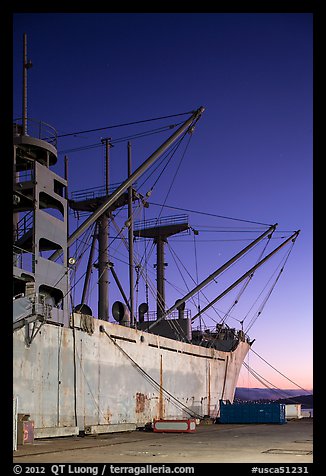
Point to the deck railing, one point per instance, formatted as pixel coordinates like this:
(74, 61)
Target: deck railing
(38, 129)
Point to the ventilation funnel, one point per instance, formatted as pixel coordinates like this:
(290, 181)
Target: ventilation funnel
(83, 309)
(142, 309)
(121, 313)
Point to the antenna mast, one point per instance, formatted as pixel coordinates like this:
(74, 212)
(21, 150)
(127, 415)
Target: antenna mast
(26, 65)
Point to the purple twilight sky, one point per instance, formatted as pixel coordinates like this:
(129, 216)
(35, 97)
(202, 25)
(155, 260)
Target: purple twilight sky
(251, 154)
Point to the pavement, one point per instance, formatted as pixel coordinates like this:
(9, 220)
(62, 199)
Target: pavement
(291, 442)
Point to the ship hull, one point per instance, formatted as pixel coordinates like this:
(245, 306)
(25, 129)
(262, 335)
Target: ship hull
(97, 374)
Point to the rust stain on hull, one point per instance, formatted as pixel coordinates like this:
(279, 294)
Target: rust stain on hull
(140, 402)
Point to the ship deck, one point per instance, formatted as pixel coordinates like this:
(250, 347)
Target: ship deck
(291, 442)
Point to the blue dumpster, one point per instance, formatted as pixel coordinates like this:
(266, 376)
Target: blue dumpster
(251, 412)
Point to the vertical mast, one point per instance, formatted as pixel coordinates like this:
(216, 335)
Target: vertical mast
(131, 242)
(103, 241)
(160, 267)
(26, 65)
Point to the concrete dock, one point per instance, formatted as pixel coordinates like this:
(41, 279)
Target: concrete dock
(291, 442)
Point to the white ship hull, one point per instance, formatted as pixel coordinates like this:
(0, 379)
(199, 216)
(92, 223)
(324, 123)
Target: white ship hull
(120, 377)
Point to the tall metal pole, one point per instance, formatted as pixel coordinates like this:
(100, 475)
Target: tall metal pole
(67, 217)
(160, 301)
(103, 268)
(131, 243)
(124, 186)
(107, 164)
(24, 112)
(26, 65)
(103, 254)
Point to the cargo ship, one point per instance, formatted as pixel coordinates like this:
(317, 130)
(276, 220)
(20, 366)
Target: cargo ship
(75, 372)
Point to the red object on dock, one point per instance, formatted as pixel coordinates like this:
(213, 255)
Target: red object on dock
(175, 426)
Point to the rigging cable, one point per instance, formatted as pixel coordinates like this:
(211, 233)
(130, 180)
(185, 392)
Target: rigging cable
(124, 124)
(120, 139)
(260, 378)
(271, 386)
(178, 167)
(278, 371)
(175, 258)
(210, 214)
(167, 156)
(245, 285)
(253, 320)
(227, 290)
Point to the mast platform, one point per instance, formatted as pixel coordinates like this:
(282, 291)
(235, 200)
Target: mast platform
(89, 199)
(162, 227)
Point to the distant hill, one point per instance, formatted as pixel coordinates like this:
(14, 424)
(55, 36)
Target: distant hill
(305, 400)
(282, 396)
